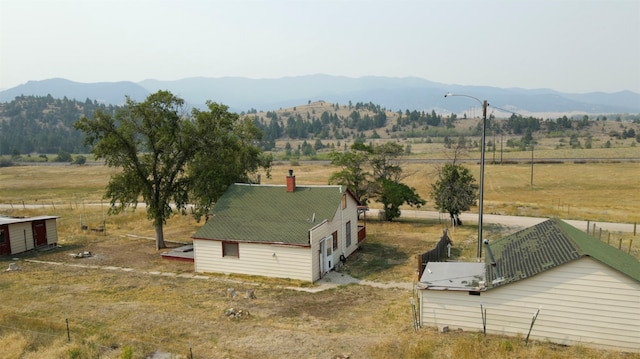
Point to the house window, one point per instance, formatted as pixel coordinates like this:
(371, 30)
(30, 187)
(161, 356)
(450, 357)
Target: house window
(344, 201)
(348, 233)
(474, 292)
(335, 240)
(230, 249)
(2, 236)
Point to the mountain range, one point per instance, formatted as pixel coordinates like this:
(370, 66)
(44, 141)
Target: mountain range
(407, 93)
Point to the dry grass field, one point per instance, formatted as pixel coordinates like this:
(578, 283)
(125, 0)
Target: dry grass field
(157, 304)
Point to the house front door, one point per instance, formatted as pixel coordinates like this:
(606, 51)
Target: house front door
(326, 255)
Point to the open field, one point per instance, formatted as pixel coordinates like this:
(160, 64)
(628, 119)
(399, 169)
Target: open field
(115, 313)
(589, 191)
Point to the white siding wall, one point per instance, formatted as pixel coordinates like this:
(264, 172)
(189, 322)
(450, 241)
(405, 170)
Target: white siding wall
(254, 259)
(317, 234)
(350, 214)
(581, 302)
(21, 237)
(52, 231)
(336, 224)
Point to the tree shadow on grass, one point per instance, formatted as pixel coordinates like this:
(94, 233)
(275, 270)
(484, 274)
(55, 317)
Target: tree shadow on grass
(374, 258)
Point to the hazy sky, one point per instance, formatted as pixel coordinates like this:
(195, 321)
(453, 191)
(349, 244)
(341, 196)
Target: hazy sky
(570, 46)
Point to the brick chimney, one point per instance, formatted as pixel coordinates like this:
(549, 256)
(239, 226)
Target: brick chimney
(291, 182)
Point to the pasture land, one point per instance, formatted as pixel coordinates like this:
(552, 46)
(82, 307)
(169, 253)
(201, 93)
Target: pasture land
(158, 305)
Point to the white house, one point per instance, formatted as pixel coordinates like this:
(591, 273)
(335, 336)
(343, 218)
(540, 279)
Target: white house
(580, 290)
(20, 234)
(297, 232)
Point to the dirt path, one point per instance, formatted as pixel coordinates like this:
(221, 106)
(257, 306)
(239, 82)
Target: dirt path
(332, 279)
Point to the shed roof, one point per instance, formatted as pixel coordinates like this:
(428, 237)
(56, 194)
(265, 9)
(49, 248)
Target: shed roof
(11, 220)
(270, 214)
(453, 276)
(547, 245)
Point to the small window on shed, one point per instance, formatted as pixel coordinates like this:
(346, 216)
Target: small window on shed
(474, 292)
(230, 249)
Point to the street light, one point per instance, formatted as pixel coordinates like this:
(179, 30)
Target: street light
(480, 204)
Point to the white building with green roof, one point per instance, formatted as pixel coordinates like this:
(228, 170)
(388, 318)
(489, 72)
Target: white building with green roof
(583, 290)
(282, 231)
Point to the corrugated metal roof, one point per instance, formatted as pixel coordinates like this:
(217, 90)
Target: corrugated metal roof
(270, 214)
(11, 220)
(548, 245)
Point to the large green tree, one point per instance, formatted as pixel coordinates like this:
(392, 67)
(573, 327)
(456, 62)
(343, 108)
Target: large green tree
(159, 148)
(387, 186)
(227, 152)
(393, 194)
(374, 172)
(353, 172)
(455, 190)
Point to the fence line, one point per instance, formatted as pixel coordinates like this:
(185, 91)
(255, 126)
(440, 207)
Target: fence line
(613, 238)
(68, 334)
(440, 253)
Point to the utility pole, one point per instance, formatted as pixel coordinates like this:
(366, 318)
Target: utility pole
(531, 165)
(484, 104)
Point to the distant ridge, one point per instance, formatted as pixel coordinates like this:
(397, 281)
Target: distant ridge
(407, 93)
(104, 92)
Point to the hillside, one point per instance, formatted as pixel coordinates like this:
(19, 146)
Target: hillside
(31, 124)
(315, 125)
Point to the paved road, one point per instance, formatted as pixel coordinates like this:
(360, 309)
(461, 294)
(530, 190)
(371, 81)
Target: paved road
(512, 221)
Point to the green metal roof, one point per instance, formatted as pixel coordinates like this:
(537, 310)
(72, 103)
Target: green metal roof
(548, 245)
(270, 214)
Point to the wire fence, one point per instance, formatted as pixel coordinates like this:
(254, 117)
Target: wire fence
(70, 330)
(621, 240)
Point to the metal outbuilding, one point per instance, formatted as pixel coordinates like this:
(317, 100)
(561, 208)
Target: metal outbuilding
(551, 282)
(21, 234)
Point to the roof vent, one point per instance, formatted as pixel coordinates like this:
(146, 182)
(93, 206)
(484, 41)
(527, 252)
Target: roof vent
(494, 264)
